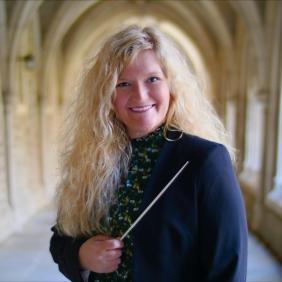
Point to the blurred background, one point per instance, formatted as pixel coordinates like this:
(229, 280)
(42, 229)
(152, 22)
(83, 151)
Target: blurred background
(234, 46)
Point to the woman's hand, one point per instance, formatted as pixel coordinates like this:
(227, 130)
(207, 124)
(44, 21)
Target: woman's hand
(100, 254)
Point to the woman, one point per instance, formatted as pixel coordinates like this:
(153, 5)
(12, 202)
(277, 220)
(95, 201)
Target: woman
(138, 118)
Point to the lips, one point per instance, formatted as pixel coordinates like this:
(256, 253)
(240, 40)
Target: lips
(141, 109)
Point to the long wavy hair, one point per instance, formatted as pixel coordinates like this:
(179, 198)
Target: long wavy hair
(97, 148)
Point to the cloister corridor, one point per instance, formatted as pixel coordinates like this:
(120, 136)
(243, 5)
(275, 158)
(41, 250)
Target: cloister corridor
(233, 46)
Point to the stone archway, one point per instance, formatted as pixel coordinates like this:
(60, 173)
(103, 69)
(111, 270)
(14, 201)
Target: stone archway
(49, 34)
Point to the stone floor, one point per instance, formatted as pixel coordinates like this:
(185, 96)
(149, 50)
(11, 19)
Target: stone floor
(25, 257)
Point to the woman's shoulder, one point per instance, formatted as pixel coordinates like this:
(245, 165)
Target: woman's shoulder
(196, 150)
(199, 147)
(209, 158)
(199, 141)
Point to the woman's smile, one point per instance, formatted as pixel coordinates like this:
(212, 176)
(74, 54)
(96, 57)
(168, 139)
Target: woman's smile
(141, 109)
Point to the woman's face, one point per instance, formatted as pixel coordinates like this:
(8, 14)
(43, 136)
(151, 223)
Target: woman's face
(141, 98)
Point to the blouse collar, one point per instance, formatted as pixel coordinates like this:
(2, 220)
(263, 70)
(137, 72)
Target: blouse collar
(153, 137)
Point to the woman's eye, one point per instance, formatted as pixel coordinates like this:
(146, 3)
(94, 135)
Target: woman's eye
(153, 79)
(122, 84)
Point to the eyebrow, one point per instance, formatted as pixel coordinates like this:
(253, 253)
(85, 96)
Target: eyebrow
(147, 74)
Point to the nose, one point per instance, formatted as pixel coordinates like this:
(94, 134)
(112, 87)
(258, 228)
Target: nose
(140, 91)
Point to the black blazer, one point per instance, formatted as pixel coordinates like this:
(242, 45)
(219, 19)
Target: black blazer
(197, 230)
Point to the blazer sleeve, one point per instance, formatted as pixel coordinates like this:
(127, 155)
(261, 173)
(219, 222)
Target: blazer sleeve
(64, 250)
(222, 221)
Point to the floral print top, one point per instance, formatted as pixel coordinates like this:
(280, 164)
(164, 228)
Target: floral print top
(145, 151)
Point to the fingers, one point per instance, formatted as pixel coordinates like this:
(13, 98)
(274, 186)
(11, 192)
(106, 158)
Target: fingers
(110, 244)
(110, 267)
(101, 254)
(109, 261)
(110, 249)
(113, 254)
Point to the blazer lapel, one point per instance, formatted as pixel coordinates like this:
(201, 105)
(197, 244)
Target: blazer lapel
(167, 165)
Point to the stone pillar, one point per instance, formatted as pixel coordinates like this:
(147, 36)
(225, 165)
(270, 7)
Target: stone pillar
(272, 177)
(254, 135)
(278, 175)
(231, 119)
(5, 207)
(23, 126)
(51, 121)
(275, 196)
(6, 215)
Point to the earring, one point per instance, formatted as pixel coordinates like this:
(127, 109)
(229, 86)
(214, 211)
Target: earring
(172, 130)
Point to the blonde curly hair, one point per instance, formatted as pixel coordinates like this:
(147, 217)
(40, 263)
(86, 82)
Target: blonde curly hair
(96, 147)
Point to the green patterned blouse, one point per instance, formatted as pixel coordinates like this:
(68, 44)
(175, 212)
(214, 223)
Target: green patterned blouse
(145, 151)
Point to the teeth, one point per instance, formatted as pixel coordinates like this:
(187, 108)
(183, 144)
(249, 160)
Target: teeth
(141, 108)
